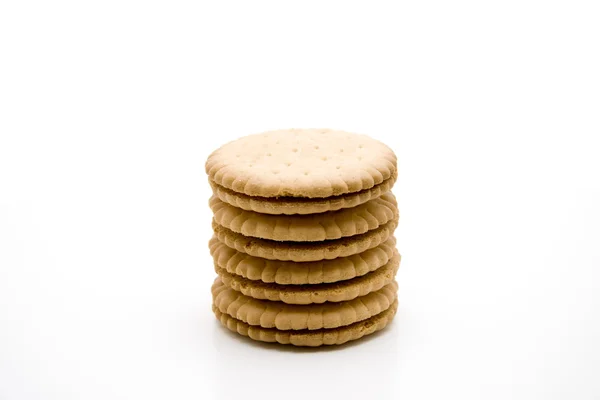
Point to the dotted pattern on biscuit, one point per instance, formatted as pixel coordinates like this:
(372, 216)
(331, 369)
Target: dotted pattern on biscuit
(313, 163)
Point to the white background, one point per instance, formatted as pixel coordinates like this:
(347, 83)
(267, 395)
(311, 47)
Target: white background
(109, 109)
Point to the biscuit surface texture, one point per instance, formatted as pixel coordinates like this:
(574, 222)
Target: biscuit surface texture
(312, 163)
(308, 251)
(306, 228)
(310, 294)
(300, 273)
(314, 338)
(274, 314)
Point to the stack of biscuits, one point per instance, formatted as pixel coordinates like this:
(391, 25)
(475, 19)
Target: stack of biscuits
(303, 241)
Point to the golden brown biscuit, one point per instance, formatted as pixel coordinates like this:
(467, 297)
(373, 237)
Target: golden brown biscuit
(309, 294)
(300, 273)
(301, 205)
(275, 314)
(301, 163)
(302, 252)
(319, 337)
(307, 228)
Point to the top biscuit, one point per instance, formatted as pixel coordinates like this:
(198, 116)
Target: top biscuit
(311, 163)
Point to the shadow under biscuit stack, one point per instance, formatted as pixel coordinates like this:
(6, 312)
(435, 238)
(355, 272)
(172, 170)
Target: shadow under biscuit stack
(303, 241)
